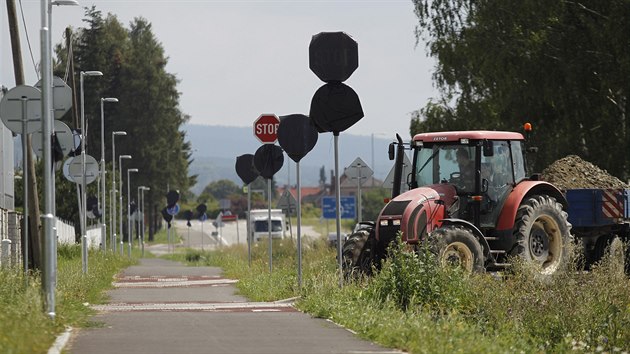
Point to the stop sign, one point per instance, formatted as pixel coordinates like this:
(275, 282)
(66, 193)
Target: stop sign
(333, 56)
(266, 128)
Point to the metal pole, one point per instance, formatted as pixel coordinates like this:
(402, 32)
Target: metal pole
(84, 253)
(48, 281)
(249, 232)
(269, 224)
(202, 236)
(128, 214)
(102, 181)
(138, 218)
(113, 218)
(120, 211)
(338, 207)
(299, 224)
(112, 213)
(237, 235)
(25, 182)
(359, 193)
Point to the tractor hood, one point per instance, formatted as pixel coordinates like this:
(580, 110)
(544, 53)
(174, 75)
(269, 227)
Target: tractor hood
(415, 212)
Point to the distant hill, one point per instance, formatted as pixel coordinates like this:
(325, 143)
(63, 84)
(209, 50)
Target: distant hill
(216, 148)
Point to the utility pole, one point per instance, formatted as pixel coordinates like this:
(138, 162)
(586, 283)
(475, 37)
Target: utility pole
(33, 201)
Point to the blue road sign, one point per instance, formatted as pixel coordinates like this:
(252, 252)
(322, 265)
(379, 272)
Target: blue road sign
(203, 217)
(174, 210)
(348, 208)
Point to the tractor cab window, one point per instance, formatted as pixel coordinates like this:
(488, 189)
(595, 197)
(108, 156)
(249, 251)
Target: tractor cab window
(518, 161)
(496, 173)
(446, 164)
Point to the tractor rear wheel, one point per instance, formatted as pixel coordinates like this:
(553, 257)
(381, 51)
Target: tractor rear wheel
(458, 247)
(357, 254)
(542, 233)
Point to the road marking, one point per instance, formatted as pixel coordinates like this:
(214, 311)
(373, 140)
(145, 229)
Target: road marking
(197, 306)
(173, 283)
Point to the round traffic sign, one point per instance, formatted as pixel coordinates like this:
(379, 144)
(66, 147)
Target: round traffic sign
(333, 56)
(266, 128)
(174, 210)
(64, 136)
(19, 103)
(62, 96)
(91, 169)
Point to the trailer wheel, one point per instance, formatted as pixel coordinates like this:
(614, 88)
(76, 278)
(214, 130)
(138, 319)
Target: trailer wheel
(542, 233)
(357, 254)
(457, 246)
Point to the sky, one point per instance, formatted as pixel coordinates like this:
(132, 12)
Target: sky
(238, 59)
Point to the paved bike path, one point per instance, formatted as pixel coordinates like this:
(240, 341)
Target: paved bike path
(162, 306)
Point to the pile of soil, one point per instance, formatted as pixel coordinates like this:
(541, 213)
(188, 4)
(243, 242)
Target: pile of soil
(572, 172)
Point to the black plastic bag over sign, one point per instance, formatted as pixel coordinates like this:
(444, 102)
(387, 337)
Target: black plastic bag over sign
(245, 168)
(335, 107)
(296, 135)
(268, 160)
(171, 198)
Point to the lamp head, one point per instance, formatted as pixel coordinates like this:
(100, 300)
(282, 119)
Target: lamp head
(65, 3)
(119, 133)
(124, 156)
(132, 170)
(109, 99)
(91, 73)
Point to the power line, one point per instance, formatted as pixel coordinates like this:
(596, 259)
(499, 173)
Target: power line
(28, 41)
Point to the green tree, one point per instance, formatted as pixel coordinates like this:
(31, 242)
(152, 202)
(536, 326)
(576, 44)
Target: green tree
(372, 202)
(560, 65)
(133, 65)
(220, 189)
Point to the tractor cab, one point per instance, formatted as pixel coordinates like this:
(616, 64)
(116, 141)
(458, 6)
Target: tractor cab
(481, 166)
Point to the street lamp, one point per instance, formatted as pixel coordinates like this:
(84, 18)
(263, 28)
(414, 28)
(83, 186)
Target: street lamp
(112, 219)
(120, 158)
(141, 220)
(102, 201)
(129, 170)
(84, 252)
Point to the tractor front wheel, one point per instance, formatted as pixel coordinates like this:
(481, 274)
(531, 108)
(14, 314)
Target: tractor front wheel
(357, 254)
(542, 233)
(458, 247)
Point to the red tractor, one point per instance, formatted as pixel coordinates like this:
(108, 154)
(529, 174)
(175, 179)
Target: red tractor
(471, 200)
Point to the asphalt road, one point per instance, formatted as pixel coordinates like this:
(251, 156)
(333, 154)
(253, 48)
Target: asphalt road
(162, 306)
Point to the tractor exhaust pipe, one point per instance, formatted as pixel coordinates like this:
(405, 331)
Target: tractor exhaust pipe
(398, 166)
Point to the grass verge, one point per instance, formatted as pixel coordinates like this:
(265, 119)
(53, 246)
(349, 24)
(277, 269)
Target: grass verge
(414, 305)
(24, 327)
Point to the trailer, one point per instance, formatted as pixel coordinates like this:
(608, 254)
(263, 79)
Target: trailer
(598, 216)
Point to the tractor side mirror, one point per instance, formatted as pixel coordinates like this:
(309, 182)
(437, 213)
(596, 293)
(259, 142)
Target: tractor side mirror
(488, 148)
(391, 152)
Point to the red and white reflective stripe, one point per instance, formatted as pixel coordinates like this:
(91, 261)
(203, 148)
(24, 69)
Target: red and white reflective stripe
(612, 205)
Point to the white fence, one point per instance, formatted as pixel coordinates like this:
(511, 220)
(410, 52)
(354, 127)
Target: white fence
(11, 235)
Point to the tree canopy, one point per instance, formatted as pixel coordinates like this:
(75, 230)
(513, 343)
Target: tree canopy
(561, 65)
(133, 64)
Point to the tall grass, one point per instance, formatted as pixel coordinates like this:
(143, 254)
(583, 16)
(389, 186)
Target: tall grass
(415, 305)
(24, 326)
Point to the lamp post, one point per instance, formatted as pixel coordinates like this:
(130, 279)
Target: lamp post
(141, 190)
(129, 170)
(84, 251)
(112, 219)
(120, 158)
(102, 201)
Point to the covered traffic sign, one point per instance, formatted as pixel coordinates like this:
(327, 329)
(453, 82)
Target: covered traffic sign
(268, 160)
(245, 168)
(335, 107)
(62, 133)
(266, 128)
(287, 201)
(333, 56)
(297, 135)
(76, 169)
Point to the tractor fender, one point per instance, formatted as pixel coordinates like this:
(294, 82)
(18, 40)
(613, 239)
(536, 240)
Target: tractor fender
(478, 234)
(519, 193)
